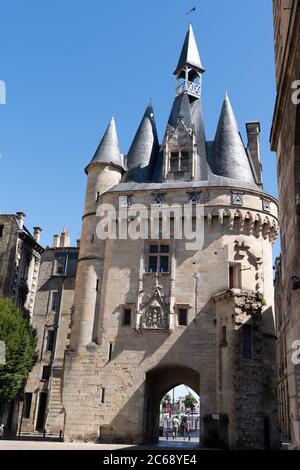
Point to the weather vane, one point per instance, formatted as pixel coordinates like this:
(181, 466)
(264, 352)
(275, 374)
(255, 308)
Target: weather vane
(191, 11)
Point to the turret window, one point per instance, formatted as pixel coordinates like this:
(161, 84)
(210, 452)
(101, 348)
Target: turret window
(180, 161)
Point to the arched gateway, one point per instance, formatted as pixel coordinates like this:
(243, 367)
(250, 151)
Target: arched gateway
(158, 382)
(154, 309)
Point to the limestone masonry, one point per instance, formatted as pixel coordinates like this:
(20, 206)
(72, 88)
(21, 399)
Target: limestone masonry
(143, 316)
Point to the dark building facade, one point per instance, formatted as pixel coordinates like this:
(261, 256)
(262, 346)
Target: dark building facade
(285, 141)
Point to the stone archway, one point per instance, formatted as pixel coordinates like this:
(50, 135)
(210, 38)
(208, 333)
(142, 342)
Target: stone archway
(158, 382)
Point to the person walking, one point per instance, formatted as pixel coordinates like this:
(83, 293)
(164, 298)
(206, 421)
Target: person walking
(175, 427)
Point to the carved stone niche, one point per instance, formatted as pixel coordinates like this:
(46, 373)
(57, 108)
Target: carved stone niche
(155, 315)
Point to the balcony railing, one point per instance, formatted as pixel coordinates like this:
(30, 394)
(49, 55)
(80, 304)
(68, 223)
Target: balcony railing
(190, 87)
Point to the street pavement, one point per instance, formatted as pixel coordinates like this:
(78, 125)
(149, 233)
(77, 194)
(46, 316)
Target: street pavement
(22, 444)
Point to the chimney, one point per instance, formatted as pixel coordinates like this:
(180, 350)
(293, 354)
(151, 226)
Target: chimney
(78, 242)
(37, 233)
(21, 216)
(64, 238)
(56, 241)
(253, 133)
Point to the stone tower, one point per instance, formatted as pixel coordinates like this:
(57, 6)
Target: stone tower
(151, 313)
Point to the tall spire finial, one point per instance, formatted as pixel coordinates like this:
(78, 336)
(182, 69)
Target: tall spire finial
(189, 56)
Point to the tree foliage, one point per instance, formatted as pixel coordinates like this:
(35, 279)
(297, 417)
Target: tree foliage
(20, 344)
(166, 400)
(190, 401)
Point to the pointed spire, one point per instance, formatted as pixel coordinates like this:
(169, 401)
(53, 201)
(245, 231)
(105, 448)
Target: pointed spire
(144, 149)
(189, 54)
(229, 156)
(108, 150)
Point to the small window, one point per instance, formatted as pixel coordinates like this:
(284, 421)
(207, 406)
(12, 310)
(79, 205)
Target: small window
(59, 265)
(174, 161)
(234, 276)
(110, 350)
(97, 196)
(247, 341)
(27, 405)
(25, 268)
(185, 161)
(55, 302)
(102, 395)
(182, 317)
(1, 230)
(97, 285)
(46, 373)
(127, 316)
(50, 340)
(224, 335)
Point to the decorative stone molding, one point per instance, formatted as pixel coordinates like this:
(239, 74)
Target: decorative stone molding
(154, 313)
(266, 205)
(194, 197)
(237, 198)
(158, 199)
(250, 222)
(125, 201)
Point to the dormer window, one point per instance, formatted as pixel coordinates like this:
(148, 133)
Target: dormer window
(174, 161)
(180, 161)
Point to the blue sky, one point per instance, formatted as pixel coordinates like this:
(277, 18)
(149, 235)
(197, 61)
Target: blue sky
(69, 65)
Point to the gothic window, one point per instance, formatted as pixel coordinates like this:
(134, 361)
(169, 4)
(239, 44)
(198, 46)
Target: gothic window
(1, 230)
(247, 341)
(180, 161)
(158, 259)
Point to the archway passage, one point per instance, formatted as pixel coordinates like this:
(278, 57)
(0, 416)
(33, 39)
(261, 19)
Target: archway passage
(159, 382)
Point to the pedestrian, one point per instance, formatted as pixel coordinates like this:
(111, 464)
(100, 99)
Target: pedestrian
(188, 429)
(175, 427)
(183, 426)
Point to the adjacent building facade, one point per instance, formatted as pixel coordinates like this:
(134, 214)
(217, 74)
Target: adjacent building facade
(20, 254)
(285, 141)
(149, 309)
(52, 320)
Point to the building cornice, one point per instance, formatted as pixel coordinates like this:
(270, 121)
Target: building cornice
(287, 67)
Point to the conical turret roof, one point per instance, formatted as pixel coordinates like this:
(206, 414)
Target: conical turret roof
(229, 158)
(144, 149)
(108, 150)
